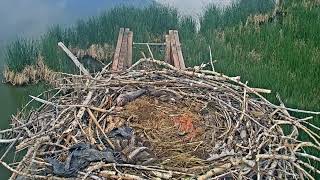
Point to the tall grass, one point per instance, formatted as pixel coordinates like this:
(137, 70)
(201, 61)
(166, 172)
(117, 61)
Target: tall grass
(21, 53)
(238, 12)
(148, 24)
(282, 56)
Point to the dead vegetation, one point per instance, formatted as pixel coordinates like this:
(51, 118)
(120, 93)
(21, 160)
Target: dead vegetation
(260, 19)
(95, 51)
(30, 74)
(160, 123)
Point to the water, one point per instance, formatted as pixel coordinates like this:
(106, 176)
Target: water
(9, 103)
(11, 99)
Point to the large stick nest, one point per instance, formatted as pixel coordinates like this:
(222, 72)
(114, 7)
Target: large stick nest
(160, 123)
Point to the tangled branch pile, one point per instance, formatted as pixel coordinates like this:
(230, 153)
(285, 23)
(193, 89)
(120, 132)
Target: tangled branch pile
(160, 123)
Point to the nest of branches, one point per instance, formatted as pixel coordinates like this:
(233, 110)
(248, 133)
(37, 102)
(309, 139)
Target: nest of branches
(160, 123)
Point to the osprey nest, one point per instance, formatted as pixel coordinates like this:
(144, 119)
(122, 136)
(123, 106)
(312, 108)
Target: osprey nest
(160, 123)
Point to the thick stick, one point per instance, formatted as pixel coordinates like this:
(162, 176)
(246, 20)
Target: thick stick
(7, 141)
(100, 128)
(74, 59)
(211, 61)
(151, 54)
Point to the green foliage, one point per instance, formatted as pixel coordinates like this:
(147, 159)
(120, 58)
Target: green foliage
(21, 53)
(281, 56)
(237, 13)
(54, 57)
(274, 55)
(148, 24)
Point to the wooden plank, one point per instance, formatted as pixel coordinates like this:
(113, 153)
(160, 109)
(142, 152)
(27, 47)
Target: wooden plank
(124, 51)
(130, 43)
(74, 59)
(174, 53)
(117, 52)
(179, 50)
(168, 50)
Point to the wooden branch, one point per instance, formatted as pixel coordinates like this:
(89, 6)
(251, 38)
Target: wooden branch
(215, 171)
(74, 59)
(43, 101)
(99, 127)
(151, 54)
(85, 103)
(7, 141)
(211, 61)
(260, 90)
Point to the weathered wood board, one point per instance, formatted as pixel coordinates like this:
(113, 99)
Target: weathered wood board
(174, 54)
(123, 53)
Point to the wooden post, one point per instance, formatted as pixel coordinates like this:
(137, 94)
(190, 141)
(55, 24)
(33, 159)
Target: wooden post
(124, 50)
(174, 53)
(179, 50)
(74, 59)
(168, 50)
(117, 51)
(130, 43)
